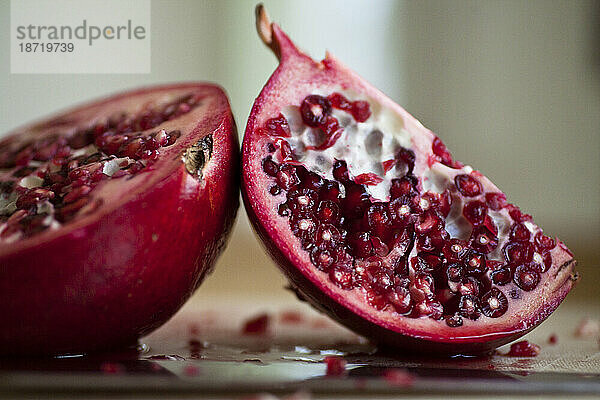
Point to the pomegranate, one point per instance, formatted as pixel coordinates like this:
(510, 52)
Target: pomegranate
(378, 226)
(111, 214)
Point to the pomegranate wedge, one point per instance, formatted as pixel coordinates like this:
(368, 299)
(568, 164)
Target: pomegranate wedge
(378, 226)
(111, 215)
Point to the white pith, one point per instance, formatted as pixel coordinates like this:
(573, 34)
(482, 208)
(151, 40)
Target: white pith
(355, 146)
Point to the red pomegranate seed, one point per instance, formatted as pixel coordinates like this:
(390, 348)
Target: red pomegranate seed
(406, 185)
(407, 157)
(278, 126)
(342, 276)
(427, 222)
(454, 321)
(314, 110)
(475, 212)
(368, 179)
(399, 377)
(361, 111)
(553, 338)
(440, 150)
(328, 212)
(494, 303)
(495, 201)
(77, 193)
(388, 165)
(468, 185)
(400, 299)
(287, 177)
(340, 102)
(519, 233)
(469, 307)
(544, 243)
(455, 250)
(523, 349)
(257, 325)
(336, 366)
(518, 253)
(501, 276)
(526, 278)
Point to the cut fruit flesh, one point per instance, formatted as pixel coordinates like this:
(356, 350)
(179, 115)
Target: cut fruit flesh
(373, 221)
(103, 274)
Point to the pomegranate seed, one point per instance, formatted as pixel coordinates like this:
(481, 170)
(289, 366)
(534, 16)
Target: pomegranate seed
(322, 259)
(77, 193)
(475, 212)
(302, 201)
(469, 307)
(454, 321)
(428, 222)
(544, 243)
(376, 300)
(427, 262)
(523, 349)
(468, 185)
(302, 227)
(274, 190)
(440, 150)
(520, 233)
(494, 303)
(340, 102)
(314, 110)
(475, 262)
(526, 278)
(368, 179)
(361, 111)
(541, 262)
(455, 250)
(400, 299)
(360, 243)
(553, 339)
(278, 126)
(399, 211)
(342, 276)
(406, 157)
(455, 272)
(501, 276)
(517, 253)
(483, 240)
(328, 212)
(257, 325)
(429, 308)
(270, 167)
(287, 177)
(495, 201)
(340, 171)
(356, 200)
(336, 366)
(406, 185)
(330, 191)
(517, 215)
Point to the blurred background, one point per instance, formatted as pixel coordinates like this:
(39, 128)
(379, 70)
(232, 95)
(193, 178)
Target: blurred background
(511, 87)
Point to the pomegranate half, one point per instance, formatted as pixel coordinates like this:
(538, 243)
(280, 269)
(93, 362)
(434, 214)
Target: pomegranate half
(375, 224)
(111, 214)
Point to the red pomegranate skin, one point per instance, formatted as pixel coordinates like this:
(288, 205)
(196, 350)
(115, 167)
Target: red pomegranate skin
(296, 77)
(107, 279)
